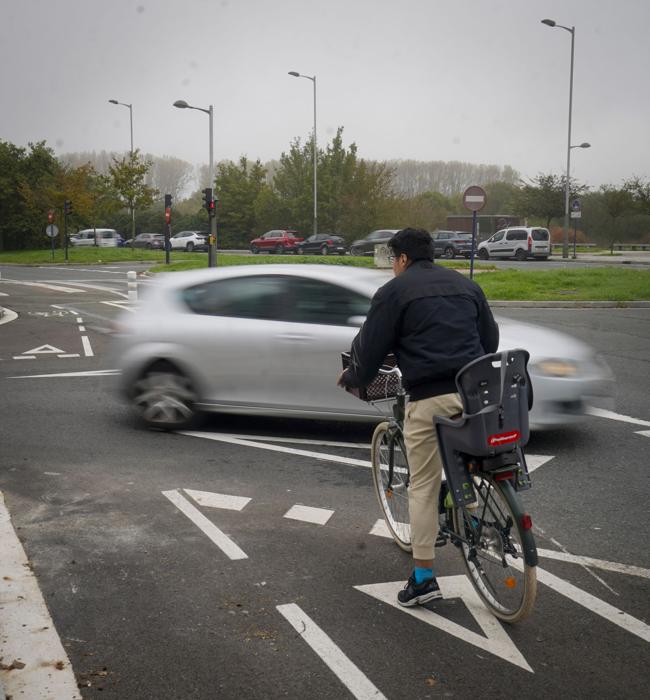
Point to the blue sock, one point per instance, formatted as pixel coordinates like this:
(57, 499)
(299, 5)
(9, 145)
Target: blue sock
(422, 575)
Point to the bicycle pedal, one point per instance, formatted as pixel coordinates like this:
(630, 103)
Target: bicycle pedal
(441, 541)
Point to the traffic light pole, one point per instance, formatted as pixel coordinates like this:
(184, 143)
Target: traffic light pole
(65, 234)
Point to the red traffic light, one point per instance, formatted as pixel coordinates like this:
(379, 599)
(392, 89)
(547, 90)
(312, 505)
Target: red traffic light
(168, 215)
(50, 216)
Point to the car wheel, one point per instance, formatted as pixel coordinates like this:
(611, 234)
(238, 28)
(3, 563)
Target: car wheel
(324, 250)
(520, 254)
(254, 250)
(279, 250)
(449, 253)
(300, 251)
(148, 246)
(164, 398)
(483, 254)
(189, 247)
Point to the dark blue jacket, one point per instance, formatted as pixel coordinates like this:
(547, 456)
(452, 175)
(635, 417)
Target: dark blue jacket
(434, 319)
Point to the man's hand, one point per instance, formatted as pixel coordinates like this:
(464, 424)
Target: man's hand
(340, 381)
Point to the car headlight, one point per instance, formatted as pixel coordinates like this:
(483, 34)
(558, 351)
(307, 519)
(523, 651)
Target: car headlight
(556, 368)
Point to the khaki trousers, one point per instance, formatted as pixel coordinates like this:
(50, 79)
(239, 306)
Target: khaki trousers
(425, 466)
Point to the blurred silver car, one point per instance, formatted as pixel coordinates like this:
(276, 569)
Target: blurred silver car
(267, 340)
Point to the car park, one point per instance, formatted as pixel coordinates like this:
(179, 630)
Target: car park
(450, 244)
(189, 241)
(273, 337)
(517, 242)
(101, 237)
(155, 241)
(366, 246)
(322, 244)
(277, 241)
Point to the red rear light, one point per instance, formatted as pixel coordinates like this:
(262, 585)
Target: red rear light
(504, 438)
(329, 241)
(503, 476)
(530, 243)
(526, 521)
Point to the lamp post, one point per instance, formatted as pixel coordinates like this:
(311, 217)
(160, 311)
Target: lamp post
(212, 248)
(130, 106)
(313, 80)
(565, 239)
(575, 223)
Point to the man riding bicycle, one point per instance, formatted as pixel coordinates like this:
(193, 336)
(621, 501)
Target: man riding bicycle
(435, 321)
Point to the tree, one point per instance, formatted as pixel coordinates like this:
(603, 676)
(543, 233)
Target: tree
(127, 179)
(170, 175)
(640, 193)
(545, 197)
(618, 202)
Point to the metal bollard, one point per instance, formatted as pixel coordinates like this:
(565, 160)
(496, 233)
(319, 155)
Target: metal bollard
(132, 286)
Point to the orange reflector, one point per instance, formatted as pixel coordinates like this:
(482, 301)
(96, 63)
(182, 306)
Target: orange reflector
(389, 493)
(510, 582)
(526, 521)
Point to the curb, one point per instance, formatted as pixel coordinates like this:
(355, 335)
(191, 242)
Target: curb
(571, 304)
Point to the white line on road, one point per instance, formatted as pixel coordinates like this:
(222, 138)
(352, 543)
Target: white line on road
(218, 500)
(56, 288)
(28, 632)
(225, 544)
(602, 413)
(88, 373)
(595, 563)
(69, 354)
(345, 670)
(88, 351)
(645, 433)
(309, 514)
(301, 441)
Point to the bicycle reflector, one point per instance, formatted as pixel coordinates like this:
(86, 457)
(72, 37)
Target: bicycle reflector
(526, 521)
(504, 438)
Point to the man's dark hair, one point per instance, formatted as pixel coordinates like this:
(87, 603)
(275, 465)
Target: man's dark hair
(416, 243)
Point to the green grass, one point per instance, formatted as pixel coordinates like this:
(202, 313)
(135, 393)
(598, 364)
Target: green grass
(617, 284)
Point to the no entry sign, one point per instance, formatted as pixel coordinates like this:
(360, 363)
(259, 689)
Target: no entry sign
(474, 198)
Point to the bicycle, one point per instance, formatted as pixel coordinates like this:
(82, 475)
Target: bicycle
(484, 467)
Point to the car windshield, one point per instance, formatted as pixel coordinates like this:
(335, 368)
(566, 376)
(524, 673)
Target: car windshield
(539, 234)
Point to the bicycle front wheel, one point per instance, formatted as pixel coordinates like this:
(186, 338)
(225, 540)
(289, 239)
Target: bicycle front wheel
(390, 475)
(492, 541)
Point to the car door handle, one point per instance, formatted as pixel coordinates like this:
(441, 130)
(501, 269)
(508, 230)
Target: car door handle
(295, 337)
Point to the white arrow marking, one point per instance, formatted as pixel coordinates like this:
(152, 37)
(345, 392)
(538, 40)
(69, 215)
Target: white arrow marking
(225, 544)
(218, 500)
(347, 672)
(496, 641)
(645, 433)
(44, 350)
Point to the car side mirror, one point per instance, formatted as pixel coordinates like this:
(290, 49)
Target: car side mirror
(357, 321)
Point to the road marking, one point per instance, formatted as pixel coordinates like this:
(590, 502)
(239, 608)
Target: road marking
(28, 632)
(277, 448)
(79, 319)
(495, 641)
(301, 441)
(88, 351)
(533, 461)
(380, 529)
(595, 563)
(595, 605)
(88, 373)
(225, 544)
(308, 514)
(44, 350)
(602, 413)
(69, 354)
(24, 357)
(645, 433)
(345, 670)
(82, 329)
(53, 287)
(218, 500)
(124, 305)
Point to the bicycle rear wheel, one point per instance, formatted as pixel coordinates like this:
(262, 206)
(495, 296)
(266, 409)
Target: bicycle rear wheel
(392, 489)
(492, 541)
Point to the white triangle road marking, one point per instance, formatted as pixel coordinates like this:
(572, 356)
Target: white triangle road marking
(44, 350)
(495, 641)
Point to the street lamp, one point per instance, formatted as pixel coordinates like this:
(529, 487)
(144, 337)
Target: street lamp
(212, 248)
(565, 239)
(313, 80)
(115, 102)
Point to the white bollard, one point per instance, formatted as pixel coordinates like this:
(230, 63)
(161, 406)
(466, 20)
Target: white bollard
(132, 287)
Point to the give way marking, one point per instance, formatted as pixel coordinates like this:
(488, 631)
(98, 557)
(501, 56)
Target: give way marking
(495, 641)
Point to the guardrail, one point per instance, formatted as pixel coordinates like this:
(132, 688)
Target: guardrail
(631, 246)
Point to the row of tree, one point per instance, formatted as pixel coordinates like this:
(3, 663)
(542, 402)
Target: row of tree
(355, 195)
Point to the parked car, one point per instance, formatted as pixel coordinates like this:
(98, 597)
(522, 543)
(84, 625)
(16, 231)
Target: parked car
(517, 242)
(277, 241)
(102, 237)
(276, 333)
(449, 244)
(323, 243)
(121, 242)
(147, 240)
(366, 246)
(189, 241)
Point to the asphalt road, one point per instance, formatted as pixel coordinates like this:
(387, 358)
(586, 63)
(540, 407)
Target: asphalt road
(158, 588)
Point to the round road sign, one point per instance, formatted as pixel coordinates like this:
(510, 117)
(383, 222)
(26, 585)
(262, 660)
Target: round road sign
(52, 230)
(474, 198)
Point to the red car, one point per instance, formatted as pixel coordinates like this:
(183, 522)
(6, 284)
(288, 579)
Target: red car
(277, 241)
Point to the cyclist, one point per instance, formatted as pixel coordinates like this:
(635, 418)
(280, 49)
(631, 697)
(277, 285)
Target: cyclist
(435, 321)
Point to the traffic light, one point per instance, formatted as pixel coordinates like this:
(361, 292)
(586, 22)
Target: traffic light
(168, 201)
(67, 207)
(168, 209)
(50, 216)
(207, 199)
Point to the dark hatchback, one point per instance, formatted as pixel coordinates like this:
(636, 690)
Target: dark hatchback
(322, 244)
(449, 244)
(366, 246)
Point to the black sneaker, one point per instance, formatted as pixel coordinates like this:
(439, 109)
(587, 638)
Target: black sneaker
(414, 594)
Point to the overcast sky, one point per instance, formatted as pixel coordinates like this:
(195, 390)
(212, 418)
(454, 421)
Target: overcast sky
(473, 80)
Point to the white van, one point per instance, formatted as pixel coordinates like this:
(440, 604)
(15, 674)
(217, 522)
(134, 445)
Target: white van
(517, 242)
(102, 237)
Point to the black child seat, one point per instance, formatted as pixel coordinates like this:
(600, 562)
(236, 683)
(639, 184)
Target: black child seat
(496, 394)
